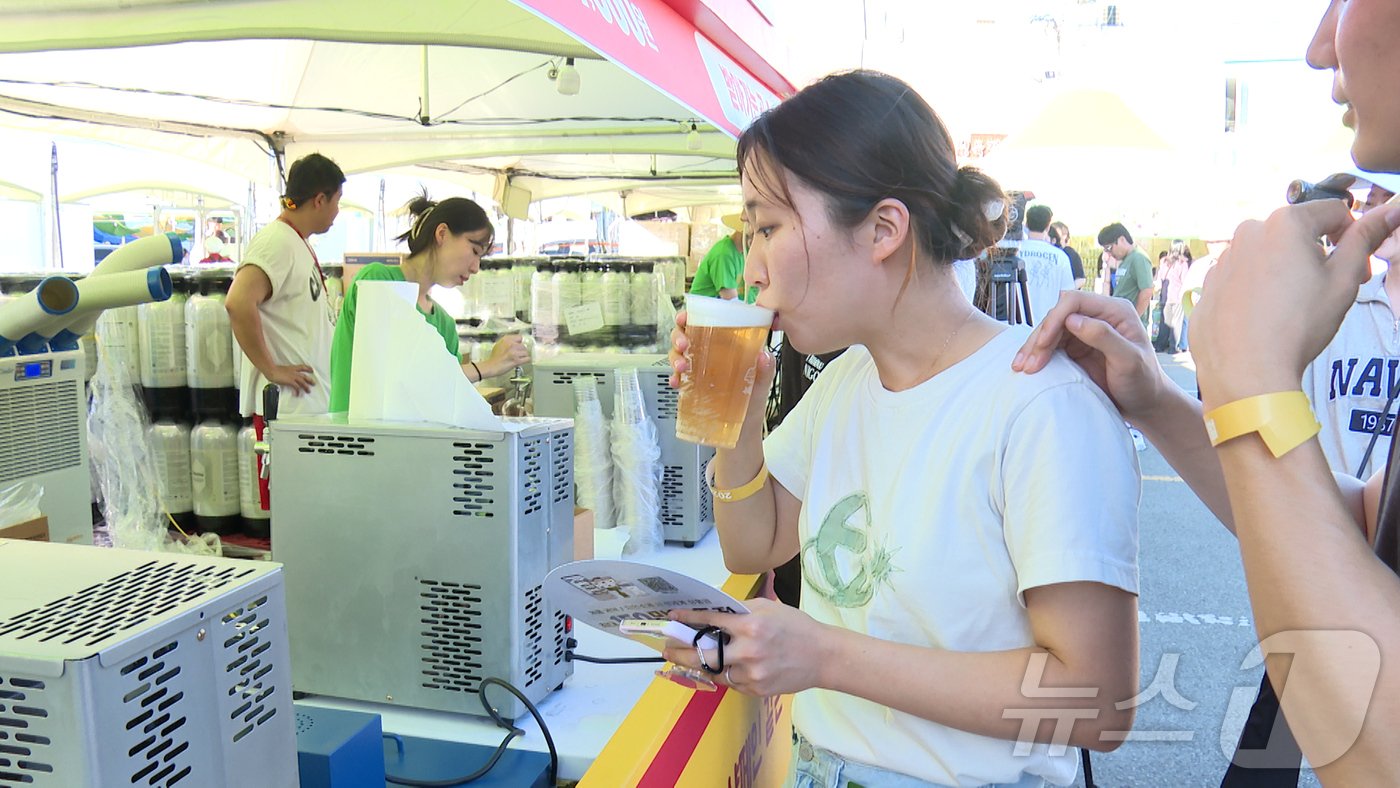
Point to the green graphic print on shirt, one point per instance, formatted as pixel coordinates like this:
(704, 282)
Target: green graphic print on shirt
(846, 527)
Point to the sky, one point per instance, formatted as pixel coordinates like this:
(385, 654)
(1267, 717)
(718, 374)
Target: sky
(981, 64)
(993, 66)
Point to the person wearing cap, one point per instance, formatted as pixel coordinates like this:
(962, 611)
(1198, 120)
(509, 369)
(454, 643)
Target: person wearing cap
(721, 272)
(1321, 551)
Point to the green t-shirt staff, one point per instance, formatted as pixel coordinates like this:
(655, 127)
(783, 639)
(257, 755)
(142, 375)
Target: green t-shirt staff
(721, 272)
(445, 244)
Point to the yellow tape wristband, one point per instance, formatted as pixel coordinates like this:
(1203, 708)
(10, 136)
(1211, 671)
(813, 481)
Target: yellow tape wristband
(737, 493)
(1283, 419)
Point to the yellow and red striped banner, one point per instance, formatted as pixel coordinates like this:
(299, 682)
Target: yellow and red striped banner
(680, 738)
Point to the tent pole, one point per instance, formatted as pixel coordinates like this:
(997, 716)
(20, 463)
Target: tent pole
(57, 219)
(382, 219)
(423, 114)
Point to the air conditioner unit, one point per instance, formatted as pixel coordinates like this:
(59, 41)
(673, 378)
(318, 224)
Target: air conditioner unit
(686, 509)
(121, 668)
(43, 437)
(416, 555)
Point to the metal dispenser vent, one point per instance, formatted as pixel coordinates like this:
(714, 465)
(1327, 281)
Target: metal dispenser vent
(451, 635)
(155, 718)
(474, 485)
(673, 490)
(534, 635)
(532, 476)
(561, 633)
(23, 722)
(667, 399)
(562, 446)
(246, 634)
(566, 379)
(126, 601)
(707, 503)
(358, 446)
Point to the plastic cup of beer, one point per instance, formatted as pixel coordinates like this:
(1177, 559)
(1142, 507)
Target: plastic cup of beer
(725, 337)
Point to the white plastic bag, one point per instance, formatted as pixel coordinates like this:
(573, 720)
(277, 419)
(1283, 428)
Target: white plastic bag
(20, 503)
(593, 470)
(636, 456)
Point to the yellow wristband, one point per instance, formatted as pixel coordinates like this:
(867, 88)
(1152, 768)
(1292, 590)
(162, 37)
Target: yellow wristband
(1283, 419)
(737, 493)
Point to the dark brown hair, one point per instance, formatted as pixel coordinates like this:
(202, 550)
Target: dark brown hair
(458, 213)
(859, 137)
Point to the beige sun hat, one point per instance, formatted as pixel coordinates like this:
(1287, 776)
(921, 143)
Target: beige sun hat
(734, 221)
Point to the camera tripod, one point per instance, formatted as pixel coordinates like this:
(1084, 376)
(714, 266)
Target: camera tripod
(1005, 273)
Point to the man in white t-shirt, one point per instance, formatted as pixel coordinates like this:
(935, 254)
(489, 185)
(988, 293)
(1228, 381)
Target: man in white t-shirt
(1047, 266)
(277, 305)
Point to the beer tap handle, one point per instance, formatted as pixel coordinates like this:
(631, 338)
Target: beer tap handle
(270, 397)
(263, 448)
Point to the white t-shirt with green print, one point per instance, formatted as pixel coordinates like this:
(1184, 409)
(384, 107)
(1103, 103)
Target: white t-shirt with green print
(927, 513)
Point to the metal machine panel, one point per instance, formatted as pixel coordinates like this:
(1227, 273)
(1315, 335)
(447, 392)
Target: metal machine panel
(686, 509)
(416, 555)
(120, 667)
(43, 438)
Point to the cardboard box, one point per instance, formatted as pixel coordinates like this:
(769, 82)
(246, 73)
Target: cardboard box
(357, 261)
(37, 530)
(674, 234)
(583, 534)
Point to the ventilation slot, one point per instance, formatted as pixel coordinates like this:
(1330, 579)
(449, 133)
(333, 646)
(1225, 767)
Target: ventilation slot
(451, 635)
(126, 601)
(562, 378)
(335, 444)
(673, 497)
(532, 489)
(24, 714)
(534, 635)
(246, 637)
(474, 490)
(707, 512)
(40, 428)
(666, 398)
(562, 464)
(561, 633)
(155, 725)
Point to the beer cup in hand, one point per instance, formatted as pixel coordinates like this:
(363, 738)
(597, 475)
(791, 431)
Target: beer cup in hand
(722, 343)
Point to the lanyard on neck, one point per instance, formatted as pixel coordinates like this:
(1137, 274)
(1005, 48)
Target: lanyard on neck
(325, 292)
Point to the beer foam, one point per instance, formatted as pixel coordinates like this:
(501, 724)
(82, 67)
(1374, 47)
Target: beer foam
(721, 313)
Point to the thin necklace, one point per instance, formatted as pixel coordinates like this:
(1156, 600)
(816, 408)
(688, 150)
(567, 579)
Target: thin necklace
(933, 367)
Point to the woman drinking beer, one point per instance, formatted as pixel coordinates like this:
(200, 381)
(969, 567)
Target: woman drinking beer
(966, 611)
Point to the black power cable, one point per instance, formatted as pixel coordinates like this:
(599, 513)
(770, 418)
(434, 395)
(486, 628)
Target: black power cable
(501, 722)
(572, 657)
(442, 119)
(512, 731)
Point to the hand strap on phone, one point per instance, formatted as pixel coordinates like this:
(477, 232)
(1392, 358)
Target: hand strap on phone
(720, 637)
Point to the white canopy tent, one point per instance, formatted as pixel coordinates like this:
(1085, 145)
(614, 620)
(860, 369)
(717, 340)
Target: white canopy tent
(460, 92)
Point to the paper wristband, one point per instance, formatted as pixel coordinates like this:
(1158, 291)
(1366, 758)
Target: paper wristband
(1283, 419)
(737, 493)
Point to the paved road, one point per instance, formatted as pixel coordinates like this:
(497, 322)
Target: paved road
(1196, 631)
